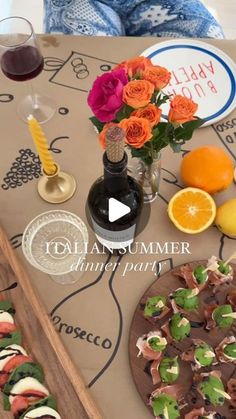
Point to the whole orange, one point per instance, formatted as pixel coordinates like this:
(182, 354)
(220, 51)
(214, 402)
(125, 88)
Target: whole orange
(208, 168)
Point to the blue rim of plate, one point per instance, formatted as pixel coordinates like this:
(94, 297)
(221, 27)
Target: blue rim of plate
(222, 62)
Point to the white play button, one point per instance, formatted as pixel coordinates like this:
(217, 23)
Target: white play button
(117, 210)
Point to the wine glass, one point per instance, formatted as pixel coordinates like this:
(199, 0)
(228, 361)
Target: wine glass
(21, 60)
(55, 242)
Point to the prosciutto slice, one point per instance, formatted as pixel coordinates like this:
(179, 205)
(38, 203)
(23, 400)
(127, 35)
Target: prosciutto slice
(186, 272)
(231, 390)
(195, 413)
(231, 299)
(220, 350)
(154, 369)
(144, 349)
(166, 330)
(175, 390)
(208, 311)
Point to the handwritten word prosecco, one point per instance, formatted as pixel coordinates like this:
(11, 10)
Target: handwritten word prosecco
(77, 332)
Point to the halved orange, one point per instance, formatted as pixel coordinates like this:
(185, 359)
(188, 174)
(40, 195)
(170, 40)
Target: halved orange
(192, 210)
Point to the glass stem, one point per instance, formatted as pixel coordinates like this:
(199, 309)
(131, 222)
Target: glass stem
(33, 97)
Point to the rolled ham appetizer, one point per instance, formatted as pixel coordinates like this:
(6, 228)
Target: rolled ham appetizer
(151, 345)
(226, 350)
(194, 278)
(165, 370)
(200, 355)
(211, 388)
(164, 401)
(155, 308)
(219, 272)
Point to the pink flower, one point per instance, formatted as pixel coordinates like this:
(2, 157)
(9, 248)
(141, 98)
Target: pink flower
(105, 97)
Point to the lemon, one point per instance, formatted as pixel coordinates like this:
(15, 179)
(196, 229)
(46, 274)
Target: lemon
(226, 218)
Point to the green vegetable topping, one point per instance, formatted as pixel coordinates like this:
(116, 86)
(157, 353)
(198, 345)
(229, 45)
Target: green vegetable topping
(200, 276)
(157, 343)
(47, 401)
(179, 327)
(230, 350)
(154, 306)
(208, 387)
(11, 339)
(220, 319)
(169, 370)
(202, 355)
(163, 403)
(183, 299)
(223, 268)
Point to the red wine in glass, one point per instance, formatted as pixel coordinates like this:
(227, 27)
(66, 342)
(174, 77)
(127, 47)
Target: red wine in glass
(22, 63)
(20, 60)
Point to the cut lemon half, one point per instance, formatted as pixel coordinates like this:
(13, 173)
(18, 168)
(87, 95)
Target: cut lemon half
(192, 210)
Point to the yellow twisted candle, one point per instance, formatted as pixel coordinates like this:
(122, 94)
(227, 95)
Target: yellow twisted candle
(41, 145)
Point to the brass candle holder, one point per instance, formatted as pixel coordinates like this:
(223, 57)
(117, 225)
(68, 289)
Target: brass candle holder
(56, 188)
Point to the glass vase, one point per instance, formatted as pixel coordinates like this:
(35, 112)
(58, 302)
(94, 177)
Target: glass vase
(147, 175)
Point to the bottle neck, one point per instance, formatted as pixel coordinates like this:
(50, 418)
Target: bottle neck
(115, 175)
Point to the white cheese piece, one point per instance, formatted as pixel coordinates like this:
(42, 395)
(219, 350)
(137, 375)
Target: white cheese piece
(223, 393)
(41, 411)
(165, 412)
(173, 370)
(233, 315)
(194, 292)
(10, 351)
(183, 322)
(209, 354)
(160, 304)
(6, 317)
(27, 383)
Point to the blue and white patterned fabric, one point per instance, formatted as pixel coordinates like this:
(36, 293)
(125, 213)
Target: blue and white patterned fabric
(168, 18)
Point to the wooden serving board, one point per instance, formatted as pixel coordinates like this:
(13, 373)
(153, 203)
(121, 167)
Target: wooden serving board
(42, 342)
(166, 284)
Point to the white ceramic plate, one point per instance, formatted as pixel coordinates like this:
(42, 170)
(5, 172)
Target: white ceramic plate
(199, 71)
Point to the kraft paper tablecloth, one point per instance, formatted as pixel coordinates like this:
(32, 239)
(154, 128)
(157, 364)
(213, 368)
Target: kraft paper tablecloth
(102, 309)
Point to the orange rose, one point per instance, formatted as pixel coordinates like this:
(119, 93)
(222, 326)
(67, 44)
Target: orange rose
(102, 135)
(137, 93)
(150, 112)
(137, 130)
(135, 66)
(159, 76)
(182, 109)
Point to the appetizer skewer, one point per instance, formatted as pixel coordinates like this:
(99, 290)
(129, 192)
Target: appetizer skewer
(164, 401)
(226, 350)
(220, 272)
(219, 315)
(184, 300)
(165, 370)
(212, 389)
(155, 308)
(178, 328)
(200, 354)
(194, 278)
(151, 345)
